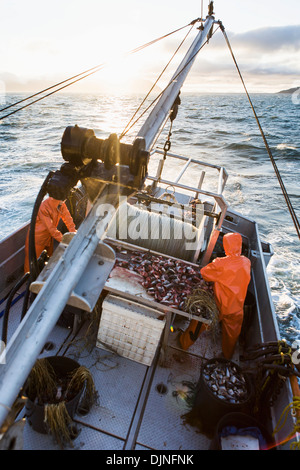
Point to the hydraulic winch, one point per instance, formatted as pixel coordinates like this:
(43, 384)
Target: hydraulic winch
(97, 161)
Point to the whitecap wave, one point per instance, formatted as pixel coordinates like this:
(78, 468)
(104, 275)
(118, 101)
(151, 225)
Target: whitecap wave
(284, 146)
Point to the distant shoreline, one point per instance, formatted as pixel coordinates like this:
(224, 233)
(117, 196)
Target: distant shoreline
(290, 91)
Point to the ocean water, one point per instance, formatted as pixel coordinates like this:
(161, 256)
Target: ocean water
(218, 129)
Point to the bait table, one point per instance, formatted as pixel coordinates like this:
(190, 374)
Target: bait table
(131, 290)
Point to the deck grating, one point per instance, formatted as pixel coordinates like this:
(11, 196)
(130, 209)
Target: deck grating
(119, 382)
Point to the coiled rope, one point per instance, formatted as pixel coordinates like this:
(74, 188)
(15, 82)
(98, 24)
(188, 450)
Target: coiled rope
(282, 186)
(292, 408)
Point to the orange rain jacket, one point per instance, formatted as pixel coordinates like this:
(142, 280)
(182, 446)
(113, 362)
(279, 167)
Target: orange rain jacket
(231, 276)
(49, 214)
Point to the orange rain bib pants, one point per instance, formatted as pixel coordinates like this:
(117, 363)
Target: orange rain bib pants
(49, 214)
(231, 276)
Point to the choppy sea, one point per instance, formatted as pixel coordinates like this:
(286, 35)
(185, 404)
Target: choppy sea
(218, 129)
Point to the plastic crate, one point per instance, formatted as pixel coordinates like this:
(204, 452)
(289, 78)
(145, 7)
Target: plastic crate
(129, 329)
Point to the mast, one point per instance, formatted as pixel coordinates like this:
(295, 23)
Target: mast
(160, 112)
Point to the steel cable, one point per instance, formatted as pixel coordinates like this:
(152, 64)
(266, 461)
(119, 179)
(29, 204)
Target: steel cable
(285, 194)
(127, 127)
(82, 75)
(169, 84)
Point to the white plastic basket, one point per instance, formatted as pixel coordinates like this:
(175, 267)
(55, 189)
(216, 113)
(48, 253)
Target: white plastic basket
(129, 329)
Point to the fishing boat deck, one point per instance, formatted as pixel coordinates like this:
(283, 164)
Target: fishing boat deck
(139, 407)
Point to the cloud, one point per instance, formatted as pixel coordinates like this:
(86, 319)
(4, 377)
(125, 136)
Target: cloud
(40, 46)
(269, 60)
(274, 49)
(265, 40)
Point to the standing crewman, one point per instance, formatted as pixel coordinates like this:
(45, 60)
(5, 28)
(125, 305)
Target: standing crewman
(231, 276)
(49, 215)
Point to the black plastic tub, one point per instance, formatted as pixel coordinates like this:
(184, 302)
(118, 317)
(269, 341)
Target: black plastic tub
(209, 408)
(35, 412)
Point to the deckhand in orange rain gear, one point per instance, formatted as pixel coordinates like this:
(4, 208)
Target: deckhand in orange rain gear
(49, 214)
(231, 277)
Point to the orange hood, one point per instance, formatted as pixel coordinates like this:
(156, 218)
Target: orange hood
(232, 243)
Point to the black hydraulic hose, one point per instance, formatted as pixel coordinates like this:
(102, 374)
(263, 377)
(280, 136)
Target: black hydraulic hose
(34, 268)
(41, 262)
(264, 353)
(26, 277)
(8, 305)
(33, 264)
(281, 369)
(5, 297)
(266, 349)
(26, 299)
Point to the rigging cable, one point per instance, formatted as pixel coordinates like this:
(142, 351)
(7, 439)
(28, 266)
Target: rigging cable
(170, 83)
(285, 194)
(48, 94)
(127, 128)
(201, 11)
(82, 75)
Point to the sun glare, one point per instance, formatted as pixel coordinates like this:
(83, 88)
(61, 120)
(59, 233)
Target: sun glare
(120, 73)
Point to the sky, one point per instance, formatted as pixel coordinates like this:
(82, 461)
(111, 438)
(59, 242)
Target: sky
(44, 42)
